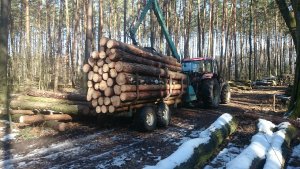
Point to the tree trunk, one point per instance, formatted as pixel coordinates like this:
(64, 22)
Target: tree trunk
(49, 94)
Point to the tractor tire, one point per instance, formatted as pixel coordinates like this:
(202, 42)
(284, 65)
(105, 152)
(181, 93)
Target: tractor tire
(163, 115)
(225, 94)
(146, 119)
(210, 93)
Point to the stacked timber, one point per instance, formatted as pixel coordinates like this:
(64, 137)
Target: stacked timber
(123, 76)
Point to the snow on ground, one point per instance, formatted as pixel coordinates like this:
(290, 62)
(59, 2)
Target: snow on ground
(274, 157)
(258, 148)
(294, 157)
(185, 151)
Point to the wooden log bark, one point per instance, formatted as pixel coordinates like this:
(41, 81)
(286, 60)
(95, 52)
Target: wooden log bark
(147, 70)
(64, 108)
(141, 52)
(91, 62)
(119, 55)
(103, 41)
(41, 118)
(127, 78)
(49, 94)
(48, 100)
(23, 112)
(132, 88)
(59, 126)
(130, 96)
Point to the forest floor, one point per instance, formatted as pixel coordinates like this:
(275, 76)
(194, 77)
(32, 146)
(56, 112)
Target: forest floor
(114, 143)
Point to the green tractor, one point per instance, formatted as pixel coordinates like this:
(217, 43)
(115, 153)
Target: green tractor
(204, 83)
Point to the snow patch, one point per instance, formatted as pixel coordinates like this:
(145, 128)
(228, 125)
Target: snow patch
(186, 150)
(9, 137)
(260, 143)
(295, 157)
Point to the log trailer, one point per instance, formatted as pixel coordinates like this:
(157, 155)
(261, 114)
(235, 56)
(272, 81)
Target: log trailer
(204, 83)
(143, 83)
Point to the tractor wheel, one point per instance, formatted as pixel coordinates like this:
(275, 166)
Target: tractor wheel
(146, 118)
(163, 115)
(225, 94)
(210, 93)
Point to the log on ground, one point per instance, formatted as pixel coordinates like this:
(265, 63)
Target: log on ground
(59, 126)
(41, 118)
(49, 94)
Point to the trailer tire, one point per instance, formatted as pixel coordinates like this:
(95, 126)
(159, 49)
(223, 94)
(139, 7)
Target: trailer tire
(225, 94)
(146, 119)
(210, 93)
(163, 115)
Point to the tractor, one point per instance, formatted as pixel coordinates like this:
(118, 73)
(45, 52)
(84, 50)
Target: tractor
(204, 83)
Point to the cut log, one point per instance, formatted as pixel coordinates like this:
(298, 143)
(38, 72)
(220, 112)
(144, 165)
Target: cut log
(130, 96)
(105, 68)
(94, 55)
(23, 112)
(199, 150)
(117, 90)
(119, 55)
(90, 83)
(100, 101)
(110, 82)
(86, 68)
(147, 70)
(90, 75)
(104, 109)
(41, 118)
(141, 52)
(64, 108)
(107, 60)
(48, 100)
(102, 55)
(107, 101)
(100, 63)
(89, 94)
(111, 109)
(96, 94)
(113, 73)
(105, 76)
(96, 86)
(95, 69)
(50, 94)
(95, 102)
(102, 85)
(109, 92)
(127, 78)
(115, 101)
(59, 126)
(132, 88)
(111, 65)
(98, 109)
(91, 62)
(103, 41)
(97, 78)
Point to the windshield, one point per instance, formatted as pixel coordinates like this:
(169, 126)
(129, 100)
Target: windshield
(197, 66)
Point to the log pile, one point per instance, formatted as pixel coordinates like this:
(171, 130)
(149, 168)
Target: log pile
(123, 76)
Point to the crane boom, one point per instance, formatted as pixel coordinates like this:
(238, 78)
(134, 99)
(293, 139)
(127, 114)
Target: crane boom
(153, 4)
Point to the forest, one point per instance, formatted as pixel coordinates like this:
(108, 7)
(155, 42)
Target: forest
(49, 40)
(199, 84)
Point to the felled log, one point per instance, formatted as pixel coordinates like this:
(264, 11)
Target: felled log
(64, 108)
(130, 96)
(49, 100)
(280, 146)
(49, 94)
(59, 126)
(132, 88)
(24, 112)
(147, 70)
(141, 52)
(197, 151)
(41, 118)
(127, 78)
(119, 55)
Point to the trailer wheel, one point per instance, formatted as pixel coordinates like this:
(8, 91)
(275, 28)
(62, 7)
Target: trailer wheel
(225, 94)
(210, 93)
(146, 119)
(163, 115)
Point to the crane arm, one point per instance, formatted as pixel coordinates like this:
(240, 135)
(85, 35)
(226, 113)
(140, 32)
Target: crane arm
(159, 15)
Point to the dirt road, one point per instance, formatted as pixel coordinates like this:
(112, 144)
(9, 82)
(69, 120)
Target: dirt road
(114, 142)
